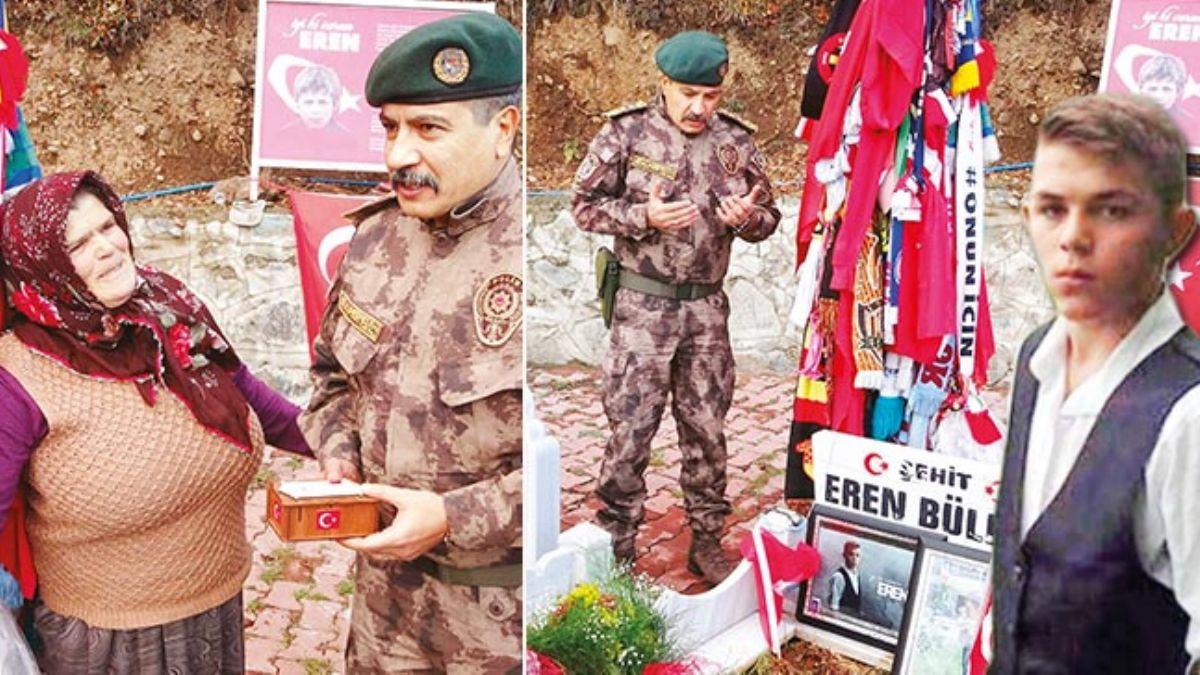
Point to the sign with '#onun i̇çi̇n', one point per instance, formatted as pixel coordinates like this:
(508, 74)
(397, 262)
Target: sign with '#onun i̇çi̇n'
(938, 493)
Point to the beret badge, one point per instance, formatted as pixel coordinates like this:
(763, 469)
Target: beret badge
(451, 66)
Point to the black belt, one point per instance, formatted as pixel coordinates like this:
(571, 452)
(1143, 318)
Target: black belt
(662, 289)
(500, 576)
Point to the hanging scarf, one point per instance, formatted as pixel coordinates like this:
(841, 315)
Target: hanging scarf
(163, 335)
(969, 210)
(868, 315)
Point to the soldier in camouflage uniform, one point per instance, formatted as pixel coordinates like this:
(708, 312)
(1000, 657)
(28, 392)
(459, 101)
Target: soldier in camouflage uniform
(675, 181)
(418, 362)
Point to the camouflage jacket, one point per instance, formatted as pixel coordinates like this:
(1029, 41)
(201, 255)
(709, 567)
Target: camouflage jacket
(418, 368)
(639, 147)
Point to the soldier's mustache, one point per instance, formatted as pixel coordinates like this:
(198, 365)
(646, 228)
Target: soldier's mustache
(691, 117)
(411, 179)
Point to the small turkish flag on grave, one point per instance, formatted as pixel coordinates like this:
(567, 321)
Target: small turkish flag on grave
(981, 650)
(776, 564)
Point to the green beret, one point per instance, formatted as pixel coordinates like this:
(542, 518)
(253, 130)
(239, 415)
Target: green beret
(694, 57)
(472, 55)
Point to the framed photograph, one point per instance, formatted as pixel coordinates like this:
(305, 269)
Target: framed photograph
(945, 600)
(862, 588)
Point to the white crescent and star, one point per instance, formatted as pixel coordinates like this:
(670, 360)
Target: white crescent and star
(1178, 276)
(339, 236)
(327, 520)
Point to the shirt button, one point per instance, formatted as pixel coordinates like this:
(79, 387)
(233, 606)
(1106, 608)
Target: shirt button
(1018, 573)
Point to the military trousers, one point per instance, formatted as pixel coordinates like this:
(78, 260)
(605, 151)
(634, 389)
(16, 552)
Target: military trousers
(663, 347)
(405, 621)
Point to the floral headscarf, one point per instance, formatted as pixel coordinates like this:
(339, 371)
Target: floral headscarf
(162, 336)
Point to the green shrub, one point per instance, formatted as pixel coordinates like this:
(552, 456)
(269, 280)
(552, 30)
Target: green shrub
(610, 627)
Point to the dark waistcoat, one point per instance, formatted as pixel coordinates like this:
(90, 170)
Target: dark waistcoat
(850, 601)
(1072, 597)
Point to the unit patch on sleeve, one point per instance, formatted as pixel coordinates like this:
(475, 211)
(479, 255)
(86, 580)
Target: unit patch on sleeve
(364, 323)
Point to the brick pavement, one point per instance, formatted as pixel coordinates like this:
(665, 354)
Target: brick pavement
(297, 597)
(568, 403)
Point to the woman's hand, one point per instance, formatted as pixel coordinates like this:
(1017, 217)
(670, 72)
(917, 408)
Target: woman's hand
(337, 469)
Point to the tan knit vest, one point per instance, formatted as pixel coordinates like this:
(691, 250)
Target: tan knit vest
(136, 513)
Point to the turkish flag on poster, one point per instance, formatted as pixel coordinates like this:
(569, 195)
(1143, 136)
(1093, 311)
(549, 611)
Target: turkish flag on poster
(322, 236)
(1184, 275)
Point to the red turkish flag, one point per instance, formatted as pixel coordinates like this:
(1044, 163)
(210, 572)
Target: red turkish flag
(981, 650)
(776, 563)
(16, 556)
(1184, 275)
(322, 236)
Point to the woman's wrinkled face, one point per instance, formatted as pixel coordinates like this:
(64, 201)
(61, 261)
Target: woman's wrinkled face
(99, 251)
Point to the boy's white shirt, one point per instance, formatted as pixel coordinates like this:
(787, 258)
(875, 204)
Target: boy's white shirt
(1167, 508)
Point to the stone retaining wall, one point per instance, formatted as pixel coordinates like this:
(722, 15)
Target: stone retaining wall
(248, 278)
(563, 322)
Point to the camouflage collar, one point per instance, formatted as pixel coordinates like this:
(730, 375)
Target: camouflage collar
(658, 106)
(484, 207)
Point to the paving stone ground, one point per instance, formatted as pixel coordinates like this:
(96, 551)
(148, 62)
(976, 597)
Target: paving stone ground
(297, 597)
(568, 403)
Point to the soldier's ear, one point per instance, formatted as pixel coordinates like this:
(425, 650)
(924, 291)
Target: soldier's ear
(1182, 225)
(507, 122)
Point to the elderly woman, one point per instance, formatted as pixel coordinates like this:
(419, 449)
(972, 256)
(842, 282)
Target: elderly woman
(139, 431)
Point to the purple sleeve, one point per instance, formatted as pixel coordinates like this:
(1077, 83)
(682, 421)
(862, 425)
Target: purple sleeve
(22, 427)
(276, 413)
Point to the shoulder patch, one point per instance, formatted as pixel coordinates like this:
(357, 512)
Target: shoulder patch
(625, 110)
(747, 125)
(369, 209)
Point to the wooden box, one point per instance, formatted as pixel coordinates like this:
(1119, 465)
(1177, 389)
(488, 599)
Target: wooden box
(320, 517)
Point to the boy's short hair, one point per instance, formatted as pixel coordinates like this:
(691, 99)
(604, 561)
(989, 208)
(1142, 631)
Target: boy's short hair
(317, 79)
(1123, 128)
(1163, 67)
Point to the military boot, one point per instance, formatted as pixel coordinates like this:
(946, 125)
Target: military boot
(625, 548)
(706, 559)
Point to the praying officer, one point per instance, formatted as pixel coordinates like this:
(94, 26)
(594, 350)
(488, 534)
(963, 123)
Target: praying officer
(675, 181)
(418, 362)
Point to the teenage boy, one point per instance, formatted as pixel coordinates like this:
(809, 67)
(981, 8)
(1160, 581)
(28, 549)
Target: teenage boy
(1097, 559)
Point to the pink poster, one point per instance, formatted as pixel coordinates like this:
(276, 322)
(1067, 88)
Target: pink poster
(1153, 49)
(313, 60)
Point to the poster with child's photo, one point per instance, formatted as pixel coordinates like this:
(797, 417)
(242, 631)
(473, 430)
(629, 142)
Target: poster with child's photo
(1151, 50)
(862, 587)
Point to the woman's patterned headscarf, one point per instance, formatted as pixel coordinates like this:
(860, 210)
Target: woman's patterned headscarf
(162, 336)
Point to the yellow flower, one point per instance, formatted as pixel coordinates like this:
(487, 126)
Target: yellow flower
(586, 595)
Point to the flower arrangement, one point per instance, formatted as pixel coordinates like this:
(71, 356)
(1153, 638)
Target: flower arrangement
(609, 627)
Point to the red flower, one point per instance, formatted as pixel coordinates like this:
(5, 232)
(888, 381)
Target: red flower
(540, 664)
(179, 339)
(36, 307)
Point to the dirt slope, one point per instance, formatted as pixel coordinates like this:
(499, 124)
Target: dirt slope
(600, 56)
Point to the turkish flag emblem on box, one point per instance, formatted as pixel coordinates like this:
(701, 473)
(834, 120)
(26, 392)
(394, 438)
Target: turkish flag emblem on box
(329, 519)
